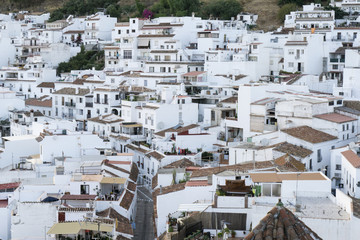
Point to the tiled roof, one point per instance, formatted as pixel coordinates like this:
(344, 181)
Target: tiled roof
(46, 85)
(3, 203)
(131, 186)
(127, 200)
(309, 134)
(165, 190)
(335, 117)
(352, 157)
(352, 104)
(72, 91)
(135, 148)
(198, 183)
(356, 207)
(230, 100)
(123, 224)
(78, 197)
(281, 223)
(241, 167)
(182, 163)
(134, 172)
(154, 181)
(290, 161)
(9, 185)
(108, 164)
(110, 118)
(194, 73)
(158, 156)
(347, 110)
(293, 150)
(38, 102)
(177, 130)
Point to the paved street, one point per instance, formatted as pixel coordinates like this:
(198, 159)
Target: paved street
(144, 214)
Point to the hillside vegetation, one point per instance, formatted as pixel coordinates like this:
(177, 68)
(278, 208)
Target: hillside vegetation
(271, 12)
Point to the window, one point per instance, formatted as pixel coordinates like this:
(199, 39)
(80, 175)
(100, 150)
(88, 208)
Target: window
(319, 157)
(339, 102)
(162, 69)
(133, 30)
(255, 47)
(127, 54)
(335, 67)
(291, 52)
(113, 80)
(84, 189)
(151, 69)
(331, 103)
(352, 129)
(139, 115)
(80, 100)
(291, 64)
(266, 189)
(338, 166)
(347, 126)
(343, 127)
(119, 31)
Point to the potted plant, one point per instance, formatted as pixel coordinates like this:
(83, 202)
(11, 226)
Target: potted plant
(233, 233)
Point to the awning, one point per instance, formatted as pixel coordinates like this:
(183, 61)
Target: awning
(76, 227)
(113, 180)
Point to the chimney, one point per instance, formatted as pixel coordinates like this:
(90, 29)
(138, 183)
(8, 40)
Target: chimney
(193, 15)
(76, 91)
(31, 115)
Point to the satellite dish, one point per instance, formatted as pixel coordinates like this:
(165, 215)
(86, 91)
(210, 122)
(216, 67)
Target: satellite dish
(160, 125)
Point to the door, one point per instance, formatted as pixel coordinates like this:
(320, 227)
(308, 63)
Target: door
(299, 67)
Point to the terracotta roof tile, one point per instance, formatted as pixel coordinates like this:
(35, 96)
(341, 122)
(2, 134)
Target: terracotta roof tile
(194, 73)
(177, 130)
(352, 157)
(158, 156)
(293, 150)
(38, 102)
(9, 185)
(108, 164)
(131, 186)
(199, 183)
(335, 117)
(123, 224)
(109, 118)
(182, 163)
(230, 100)
(134, 172)
(165, 190)
(154, 181)
(78, 197)
(46, 85)
(127, 200)
(287, 160)
(281, 223)
(72, 91)
(3, 203)
(309, 134)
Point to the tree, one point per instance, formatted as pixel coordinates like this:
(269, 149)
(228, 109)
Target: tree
(339, 14)
(222, 9)
(139, 7)
(286, 9)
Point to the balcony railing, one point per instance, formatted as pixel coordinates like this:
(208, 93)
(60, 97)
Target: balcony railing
(70, 104)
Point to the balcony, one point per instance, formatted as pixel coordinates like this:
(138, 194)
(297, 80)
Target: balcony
(89, 104)
(70, 104)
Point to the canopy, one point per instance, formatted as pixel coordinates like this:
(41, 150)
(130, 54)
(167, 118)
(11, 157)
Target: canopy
(76, 227)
